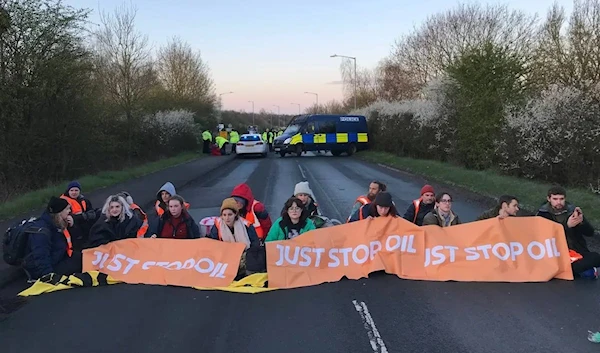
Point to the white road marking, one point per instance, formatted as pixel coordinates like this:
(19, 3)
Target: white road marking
(302, 172)
(374, 337)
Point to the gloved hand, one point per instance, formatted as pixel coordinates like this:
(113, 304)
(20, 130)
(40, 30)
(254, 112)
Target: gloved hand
(89, 215)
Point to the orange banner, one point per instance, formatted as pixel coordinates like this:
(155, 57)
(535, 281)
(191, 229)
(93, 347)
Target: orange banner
(180, 262)
(519, 249)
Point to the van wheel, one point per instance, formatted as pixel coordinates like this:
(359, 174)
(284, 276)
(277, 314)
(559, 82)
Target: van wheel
(336, 153)
(351, 149)
(299, 150)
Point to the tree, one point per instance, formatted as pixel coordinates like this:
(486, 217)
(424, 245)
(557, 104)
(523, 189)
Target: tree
(572, 56)
(440, 40)
(183, 73)
(487, 80)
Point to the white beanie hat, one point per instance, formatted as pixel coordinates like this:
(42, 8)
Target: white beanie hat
(303, 188)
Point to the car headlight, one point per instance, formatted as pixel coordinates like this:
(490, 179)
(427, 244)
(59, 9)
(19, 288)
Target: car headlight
(287, 140)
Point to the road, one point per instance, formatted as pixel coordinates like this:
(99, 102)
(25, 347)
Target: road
(403, 316)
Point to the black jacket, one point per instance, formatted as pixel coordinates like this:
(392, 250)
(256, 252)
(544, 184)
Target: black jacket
(103, 231)
(575, 236)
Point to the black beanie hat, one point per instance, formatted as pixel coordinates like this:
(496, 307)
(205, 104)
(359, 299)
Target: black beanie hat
(57, 204)
(384, 199)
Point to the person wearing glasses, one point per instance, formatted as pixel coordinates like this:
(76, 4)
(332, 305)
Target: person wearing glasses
(442, 215)
(293, 221)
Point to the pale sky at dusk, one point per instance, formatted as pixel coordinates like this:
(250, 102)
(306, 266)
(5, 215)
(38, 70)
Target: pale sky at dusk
(272, 51)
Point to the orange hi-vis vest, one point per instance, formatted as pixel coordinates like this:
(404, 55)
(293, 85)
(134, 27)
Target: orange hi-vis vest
(218, 225)
(144, 227)
(252, 218)
(160, 211)
(363, 200)
(417, 204)
(69, 242)
(76, 207)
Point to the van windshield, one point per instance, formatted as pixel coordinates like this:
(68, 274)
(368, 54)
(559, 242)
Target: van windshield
(292, 129)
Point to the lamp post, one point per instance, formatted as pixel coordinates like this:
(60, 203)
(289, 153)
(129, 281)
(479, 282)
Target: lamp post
(221, 103)
(355, 77)
(252, 111)
(298, 107)
(278, 114)
(317, 104)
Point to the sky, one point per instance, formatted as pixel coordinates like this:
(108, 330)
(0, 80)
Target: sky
(271, 52)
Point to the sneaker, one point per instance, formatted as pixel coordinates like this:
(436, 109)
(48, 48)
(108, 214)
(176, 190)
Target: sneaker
(592, 273)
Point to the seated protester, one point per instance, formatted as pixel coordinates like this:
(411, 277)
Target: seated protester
(584, 262)
(304, 193)
(176, 223)
(51, 250)
(293, 221)
(252, 210)
(382, 206)
(116, 222)
(137, 211)
(84, 215)
(231, 228)
(508, 206)
(163, 196)
(417, 210)
(375, 187)
(442, 215)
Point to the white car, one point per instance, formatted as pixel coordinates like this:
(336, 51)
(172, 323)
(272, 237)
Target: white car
(251, 144)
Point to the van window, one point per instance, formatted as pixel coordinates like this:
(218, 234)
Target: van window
(327, 127)
(310, 128)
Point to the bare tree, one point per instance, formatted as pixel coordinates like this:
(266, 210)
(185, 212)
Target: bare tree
(569, 53)
(183, 73)
(430, 48)
(331, 107)
(395, 82)
(366, 83)
(124, 60)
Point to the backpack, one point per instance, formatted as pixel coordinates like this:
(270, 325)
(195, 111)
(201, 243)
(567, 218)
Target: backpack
(14, 244)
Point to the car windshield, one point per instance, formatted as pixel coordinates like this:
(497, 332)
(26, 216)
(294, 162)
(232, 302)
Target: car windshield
(250, 138)
(292, 129)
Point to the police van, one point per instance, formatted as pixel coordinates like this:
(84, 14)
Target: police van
(317, 132)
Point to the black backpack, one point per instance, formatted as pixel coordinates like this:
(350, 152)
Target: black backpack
(14, 244)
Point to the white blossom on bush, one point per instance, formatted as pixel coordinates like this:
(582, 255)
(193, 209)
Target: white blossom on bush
(164, 126)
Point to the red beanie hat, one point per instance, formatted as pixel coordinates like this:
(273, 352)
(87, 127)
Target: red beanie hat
(427, 188)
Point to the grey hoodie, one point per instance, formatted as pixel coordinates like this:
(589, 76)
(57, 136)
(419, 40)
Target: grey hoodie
(168, 187)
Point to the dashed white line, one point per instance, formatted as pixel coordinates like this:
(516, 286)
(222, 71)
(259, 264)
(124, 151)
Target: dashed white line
(374, 337)
(302, 172)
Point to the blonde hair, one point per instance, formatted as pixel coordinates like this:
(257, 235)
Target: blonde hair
(125, 209)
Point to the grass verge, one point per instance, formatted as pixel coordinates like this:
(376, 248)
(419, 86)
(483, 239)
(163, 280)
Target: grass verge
(37, 199)
(530, 193)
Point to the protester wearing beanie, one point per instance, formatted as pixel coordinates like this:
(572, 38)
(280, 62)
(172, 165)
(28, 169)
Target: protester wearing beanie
(232, 228)
(50, 248)
(420, 207)
(83, 213)
(305, 194)
(382, 206)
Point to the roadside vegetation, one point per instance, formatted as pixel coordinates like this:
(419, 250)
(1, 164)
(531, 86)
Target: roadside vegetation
(34, 200)
(493, 99)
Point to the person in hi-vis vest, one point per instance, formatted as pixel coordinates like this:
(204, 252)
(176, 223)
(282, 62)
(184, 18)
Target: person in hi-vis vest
(163, 196)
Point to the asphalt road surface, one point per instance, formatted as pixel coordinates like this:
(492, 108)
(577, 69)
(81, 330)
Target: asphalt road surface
(379, 314)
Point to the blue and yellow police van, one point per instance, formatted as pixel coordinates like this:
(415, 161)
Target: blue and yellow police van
(318, 132)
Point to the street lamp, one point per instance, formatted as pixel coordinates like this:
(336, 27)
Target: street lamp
(252, 111)
(221, 103)
(355, 77)
(317, 104)
(298, 107)
(278, 114)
